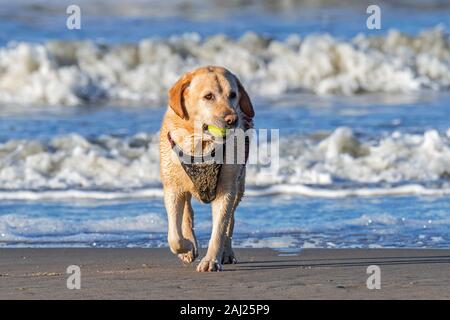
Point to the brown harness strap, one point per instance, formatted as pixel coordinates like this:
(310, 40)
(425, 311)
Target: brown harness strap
(203, 171)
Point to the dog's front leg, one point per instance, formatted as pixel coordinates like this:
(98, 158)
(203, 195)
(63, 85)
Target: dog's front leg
(228, 256)
(222, 209)
(175, 202)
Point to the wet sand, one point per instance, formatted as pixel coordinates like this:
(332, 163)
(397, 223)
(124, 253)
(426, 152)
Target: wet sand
(260, 274)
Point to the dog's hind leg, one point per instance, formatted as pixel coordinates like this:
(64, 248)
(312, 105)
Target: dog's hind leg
(188, 232)
(175, 203)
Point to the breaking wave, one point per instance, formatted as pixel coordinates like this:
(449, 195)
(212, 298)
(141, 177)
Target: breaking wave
(338, 164)
(74, 73)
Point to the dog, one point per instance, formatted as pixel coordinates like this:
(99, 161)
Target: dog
(208, 96)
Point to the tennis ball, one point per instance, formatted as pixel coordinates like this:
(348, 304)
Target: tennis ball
(216, 131)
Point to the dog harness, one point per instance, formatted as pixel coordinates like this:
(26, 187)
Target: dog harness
(204, 171)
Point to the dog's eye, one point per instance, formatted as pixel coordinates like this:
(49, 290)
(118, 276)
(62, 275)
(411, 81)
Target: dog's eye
(232, 95)
(209, 96)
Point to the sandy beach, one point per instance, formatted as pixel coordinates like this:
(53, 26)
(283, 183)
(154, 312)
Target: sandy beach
(261, 274)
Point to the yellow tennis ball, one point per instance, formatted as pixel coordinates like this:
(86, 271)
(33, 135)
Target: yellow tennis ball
(216, 131)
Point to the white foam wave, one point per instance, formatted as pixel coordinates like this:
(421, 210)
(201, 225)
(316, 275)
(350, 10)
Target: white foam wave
(284, 241)
(30, 229)
(81, 194)
(74, 162)
(307, 191)
(38, 226)
(397, 158)
(283, 189)
(337, 165)
(71, 73)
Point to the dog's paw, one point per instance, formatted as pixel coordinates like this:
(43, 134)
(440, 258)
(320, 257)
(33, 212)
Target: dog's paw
(229, 258)
(207, 265)
(188, 257)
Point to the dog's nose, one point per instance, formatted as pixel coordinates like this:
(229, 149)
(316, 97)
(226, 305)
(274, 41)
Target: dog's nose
(230, 118)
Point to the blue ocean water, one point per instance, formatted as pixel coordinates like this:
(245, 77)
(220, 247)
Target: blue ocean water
(41, 142)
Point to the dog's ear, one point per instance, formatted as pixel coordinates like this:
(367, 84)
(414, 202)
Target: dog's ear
(176, 95)
(244, 101)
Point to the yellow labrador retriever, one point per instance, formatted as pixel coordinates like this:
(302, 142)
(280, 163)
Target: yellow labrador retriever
(208, 96)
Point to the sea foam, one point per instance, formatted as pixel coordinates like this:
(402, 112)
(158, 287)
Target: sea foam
(337, 165)
(73, 73)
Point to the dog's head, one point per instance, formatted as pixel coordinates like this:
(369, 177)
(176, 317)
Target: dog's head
(210, 96)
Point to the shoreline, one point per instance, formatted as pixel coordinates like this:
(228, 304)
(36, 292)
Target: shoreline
(260, 274)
